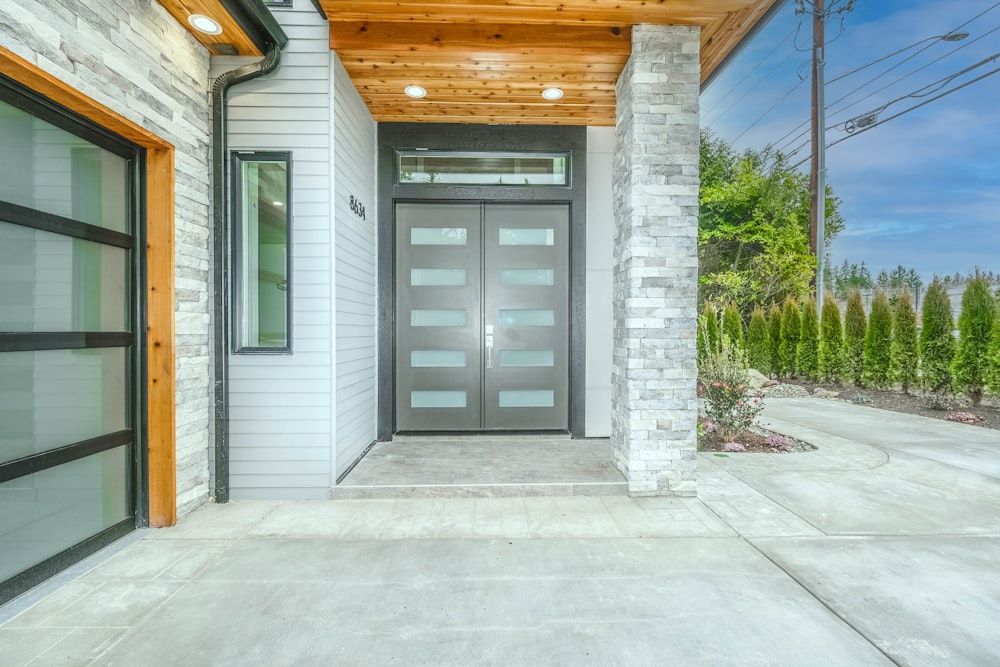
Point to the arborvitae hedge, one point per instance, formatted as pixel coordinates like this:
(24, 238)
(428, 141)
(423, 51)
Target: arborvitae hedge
(975, 327)
(711, 316)
(878, 344)
(758, 344)
(831, 342)
(807, 351)
(937, 340)
(732, 324)
(993, 355)
(855, 328)
(774, 338)
(789, 337)
(904, 353)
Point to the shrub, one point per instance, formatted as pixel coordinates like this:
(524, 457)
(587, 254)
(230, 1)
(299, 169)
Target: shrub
(993, 357)
(708, 330)
(877, 371)
(937, 342)
(975, 327)
(758, 347)
(904, 353)
(807, 351)
(724, 383)
(732, 324)
(790, 324)
(774, 338)
(855, 328)
(733, 447)
(831, 342)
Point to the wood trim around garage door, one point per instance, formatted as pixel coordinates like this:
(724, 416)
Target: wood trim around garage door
(161, 352)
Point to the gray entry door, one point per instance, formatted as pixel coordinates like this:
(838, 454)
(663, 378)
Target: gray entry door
(482, 315)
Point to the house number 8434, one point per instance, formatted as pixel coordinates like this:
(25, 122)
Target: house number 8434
(357, 207)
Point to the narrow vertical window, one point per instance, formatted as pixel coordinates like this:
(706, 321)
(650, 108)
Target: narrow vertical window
(261, 252)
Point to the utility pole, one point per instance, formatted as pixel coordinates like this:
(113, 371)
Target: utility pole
(817, 171)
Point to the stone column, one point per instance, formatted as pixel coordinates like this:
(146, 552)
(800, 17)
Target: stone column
(653, 394)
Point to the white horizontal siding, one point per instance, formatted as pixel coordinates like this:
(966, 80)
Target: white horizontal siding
(281, 405)
(355, 302)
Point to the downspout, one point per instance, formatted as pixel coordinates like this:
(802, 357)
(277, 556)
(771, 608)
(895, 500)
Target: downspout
(220, 244)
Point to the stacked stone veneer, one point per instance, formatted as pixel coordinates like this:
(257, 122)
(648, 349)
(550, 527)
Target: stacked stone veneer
(653, 394)
(134, 58)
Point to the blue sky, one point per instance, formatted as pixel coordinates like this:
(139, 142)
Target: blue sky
(922, 190)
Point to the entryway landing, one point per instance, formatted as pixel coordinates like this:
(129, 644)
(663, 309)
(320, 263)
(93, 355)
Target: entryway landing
(483, 466)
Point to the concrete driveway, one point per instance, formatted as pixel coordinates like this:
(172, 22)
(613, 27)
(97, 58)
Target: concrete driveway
(879, 548)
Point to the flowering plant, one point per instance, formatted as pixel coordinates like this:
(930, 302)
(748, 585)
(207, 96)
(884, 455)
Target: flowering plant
(723, 383)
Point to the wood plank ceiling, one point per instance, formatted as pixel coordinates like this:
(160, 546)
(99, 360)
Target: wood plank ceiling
(488, 61)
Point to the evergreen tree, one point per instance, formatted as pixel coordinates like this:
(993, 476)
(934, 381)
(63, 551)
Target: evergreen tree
(732, 324)
(975, 327)
(708, 330)
(758, 345)
(807, 350)
(937, 342)
(855, 328)
(831, 343)
(904, 353)
(877, 371)
(993, 355)
(790, 324)
(774, 338)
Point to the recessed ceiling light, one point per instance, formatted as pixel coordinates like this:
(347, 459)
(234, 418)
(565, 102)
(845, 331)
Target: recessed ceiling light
(552, 93)
(204, 24)
(415, 91)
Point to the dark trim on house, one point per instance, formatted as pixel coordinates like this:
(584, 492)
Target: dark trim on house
(257, 22)
(59, 340)
(484, 138)
(29, 465)
(220, 247)
(57, 224)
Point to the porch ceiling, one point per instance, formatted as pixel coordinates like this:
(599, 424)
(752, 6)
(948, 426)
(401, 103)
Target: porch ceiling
(488, 61)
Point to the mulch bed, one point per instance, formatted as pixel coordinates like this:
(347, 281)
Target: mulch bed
(986, 415)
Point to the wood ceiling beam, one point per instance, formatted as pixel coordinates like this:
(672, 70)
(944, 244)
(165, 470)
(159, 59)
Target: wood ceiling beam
(464, 39)
(550, 12)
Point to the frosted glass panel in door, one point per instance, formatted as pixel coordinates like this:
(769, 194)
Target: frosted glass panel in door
(527, 318)
(437, 277)
(437, 399)
(438, 236)
(527, 277)
(528, 398)
(437, 318)
(437, 359)
(527, 236)
(527, 357)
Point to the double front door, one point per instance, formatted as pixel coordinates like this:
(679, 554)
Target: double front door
(482, 310)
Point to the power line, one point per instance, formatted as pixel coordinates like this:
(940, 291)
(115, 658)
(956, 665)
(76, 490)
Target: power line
(774, 106)
(750, 90)
(905, 111)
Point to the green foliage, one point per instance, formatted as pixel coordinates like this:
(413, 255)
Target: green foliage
(937, 342)
(975, 328)
(993, 355)
(732, 324)
(904, 352)
(758, 346)
(831, 343)
(855, 327)
(877, 371)
(724, 383)
(790, 323)
(848, 277)
(753, 227)
(807, 351)
(774, 338)
(708, 330)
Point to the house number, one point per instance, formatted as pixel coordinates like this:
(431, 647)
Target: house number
(357, 207)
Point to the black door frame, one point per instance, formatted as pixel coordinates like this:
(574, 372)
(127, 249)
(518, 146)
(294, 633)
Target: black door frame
(480, 138)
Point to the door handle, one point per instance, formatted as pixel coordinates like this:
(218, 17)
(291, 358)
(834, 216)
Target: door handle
(489, 352)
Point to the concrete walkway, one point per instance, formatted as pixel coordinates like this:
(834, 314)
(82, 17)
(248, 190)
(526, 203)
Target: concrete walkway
(882, 547)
